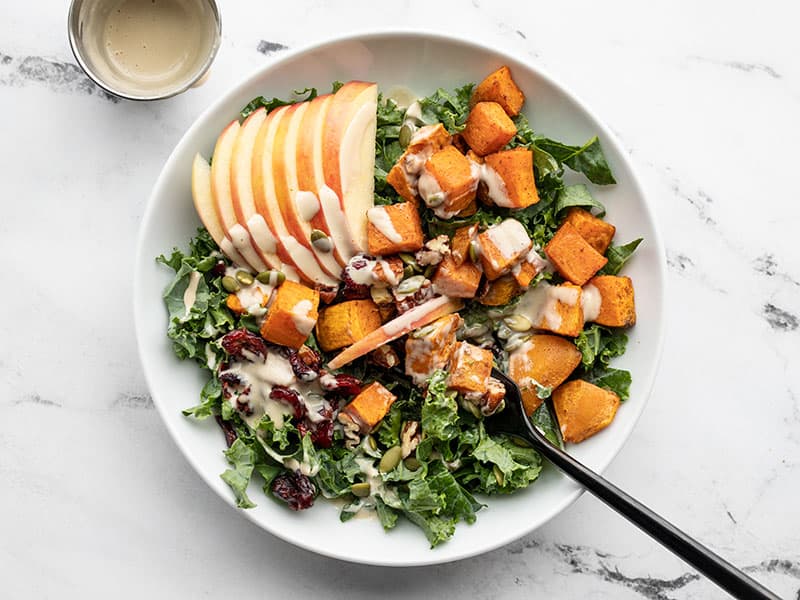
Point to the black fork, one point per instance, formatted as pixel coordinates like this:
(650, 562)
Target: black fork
(513, 421)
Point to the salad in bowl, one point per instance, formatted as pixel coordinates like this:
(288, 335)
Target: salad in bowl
(365, 261)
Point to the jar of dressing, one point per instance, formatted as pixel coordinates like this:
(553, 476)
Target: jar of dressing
(145, 49)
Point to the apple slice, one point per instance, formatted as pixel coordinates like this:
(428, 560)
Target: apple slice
(290, 251)
(206, 210)
(223, 198)
(348, 153)
(323, 208)
(415, 318)
(292, 203)
(244, 205)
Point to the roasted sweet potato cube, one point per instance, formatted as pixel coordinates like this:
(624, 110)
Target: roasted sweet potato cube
(291, 316)
(368, 408)
(342, 324)
(561, 311)
(394, 228)
(500, 291)
(459, 245)
(388, 270)
(468, 210)
(488, 128)
(595, 231)
(502, 245)
(572, 256)
(405, 172)
(508, 178)
(500, 87)
(583, 409)
(544, 360)
(448, 182)
(470, 369)
(457, 281)
(612, 302)
(431, 347)
(524, 272)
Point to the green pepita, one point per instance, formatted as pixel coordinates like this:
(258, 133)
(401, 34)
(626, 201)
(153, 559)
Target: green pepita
(380, 295)
(405, 135)
(435, 199)
(474, 251)
(409, 259)
(244, 278)
(321, 240)
(409, 271)
(390, 459)
(360, 490)
(518, 322)
(498, 475)
(230, 284)
(271, 277)
(411, 285)
(429, 271)
(373, 445)
(411, 463)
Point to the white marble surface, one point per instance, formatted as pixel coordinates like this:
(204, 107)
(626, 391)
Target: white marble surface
(94, 496)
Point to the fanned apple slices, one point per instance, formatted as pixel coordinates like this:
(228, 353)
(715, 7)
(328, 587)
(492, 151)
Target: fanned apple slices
(278, 177)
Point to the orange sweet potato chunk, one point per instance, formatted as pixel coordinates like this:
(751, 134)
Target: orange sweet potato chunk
(595, 231)
(617, 306)
(459, 245)
(403, 175)
(470, 369)
(343, 324)
(431, 347)
(457, 281)
(291, 316)
(583, 409)
(515, 169)
(454, 174)
(370, 406)
(563, 310)
(488, 128)
(502, 246)
(572, 256)
(500, 87)
(394, 228)
(544, 359)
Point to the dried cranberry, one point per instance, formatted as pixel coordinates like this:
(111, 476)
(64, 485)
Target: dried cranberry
(306, 363)
(289, 397)
(228, 430)
(350, 289)
(295, 489)
(219, 268)
(322, 434)
(237, 342)
(341, 384)
(230, 382)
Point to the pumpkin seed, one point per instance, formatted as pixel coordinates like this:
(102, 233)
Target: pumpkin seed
(230, 284)
(409, 271)
(321, 240)
(518, 322)
(360, 490)
(271, 277)
(406, 133)
(411, 285)
(390, 459)
(411, 463)
(435, 199)
(372, 443)
(244, 278)
(380, 295)
(498, 475)
(474, 251)
(515, 341)
(429, 271)
(409, 259)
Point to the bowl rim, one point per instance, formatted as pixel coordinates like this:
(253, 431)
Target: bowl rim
(608, 137)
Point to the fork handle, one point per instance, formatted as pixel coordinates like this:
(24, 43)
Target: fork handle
(713, 566)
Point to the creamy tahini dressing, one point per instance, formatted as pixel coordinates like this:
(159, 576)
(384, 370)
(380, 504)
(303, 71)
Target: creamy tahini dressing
(300, 316)
(149, 46)
(307, 204)
(190, 294)
(495, 186)
(241, 241)
(590, 302)
(379, 218)
(540, 304)
(510, 239)
(337, 223)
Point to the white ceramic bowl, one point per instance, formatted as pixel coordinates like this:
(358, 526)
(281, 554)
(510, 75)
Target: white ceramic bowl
(421, 62)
